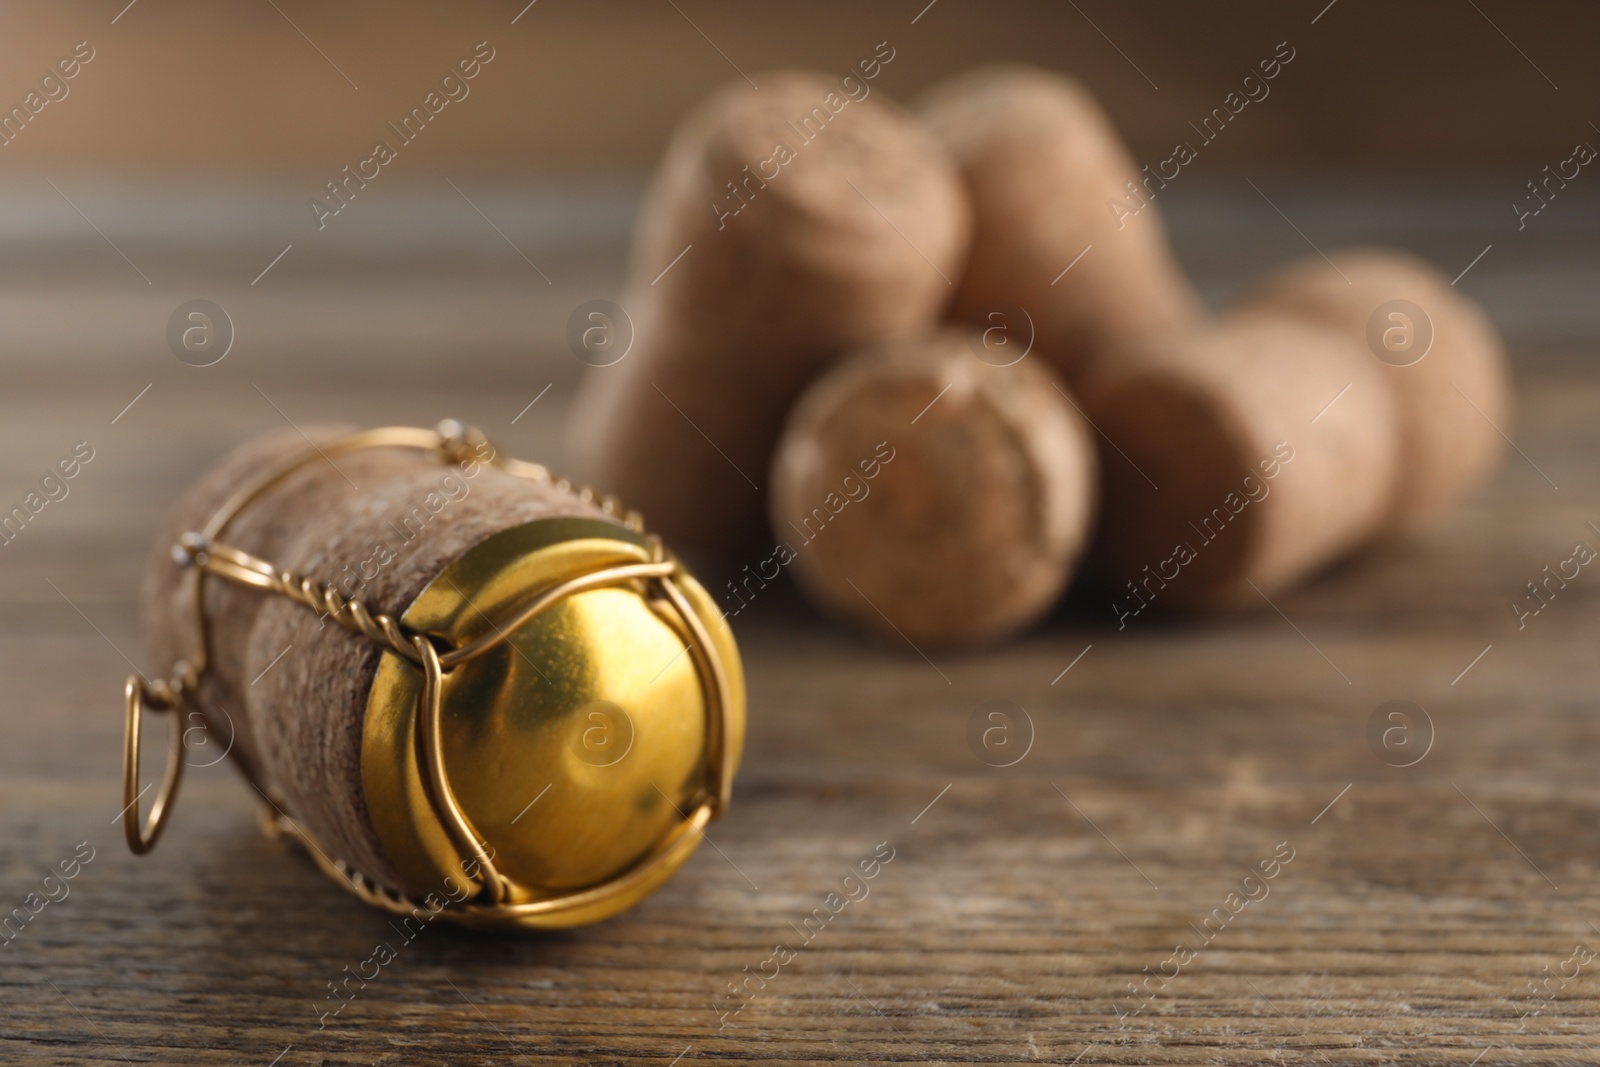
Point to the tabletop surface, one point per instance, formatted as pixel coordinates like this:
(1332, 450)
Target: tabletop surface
(1442, 913)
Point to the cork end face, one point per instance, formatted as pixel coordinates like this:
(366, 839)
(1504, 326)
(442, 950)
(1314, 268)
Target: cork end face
(575, 748)
(926, 495)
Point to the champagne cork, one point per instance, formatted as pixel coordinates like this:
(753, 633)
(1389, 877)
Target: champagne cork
(1439, 354)
(930, 496)
(299, 700)
(809, 220)
(1068, 246)
(1242, 457)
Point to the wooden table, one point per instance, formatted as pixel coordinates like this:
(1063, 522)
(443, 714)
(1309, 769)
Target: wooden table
(1021, 903)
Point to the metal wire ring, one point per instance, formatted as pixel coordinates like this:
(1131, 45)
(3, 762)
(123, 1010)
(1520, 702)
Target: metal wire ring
(142, 838)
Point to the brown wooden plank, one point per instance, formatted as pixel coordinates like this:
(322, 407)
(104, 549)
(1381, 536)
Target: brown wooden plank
(1019, 905)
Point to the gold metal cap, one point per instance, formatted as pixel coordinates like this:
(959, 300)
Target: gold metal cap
(585, 751)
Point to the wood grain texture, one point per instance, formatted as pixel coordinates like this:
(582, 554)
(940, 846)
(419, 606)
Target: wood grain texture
(1020, 902)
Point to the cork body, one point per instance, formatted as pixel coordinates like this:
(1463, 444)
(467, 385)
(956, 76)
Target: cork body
(927, 494)
(290, 688)
(1437, 351)
(808, 223)
(1242, 458)
(1052, 187)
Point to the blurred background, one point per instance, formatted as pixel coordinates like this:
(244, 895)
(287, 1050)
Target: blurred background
(286, 88)
(181, 162)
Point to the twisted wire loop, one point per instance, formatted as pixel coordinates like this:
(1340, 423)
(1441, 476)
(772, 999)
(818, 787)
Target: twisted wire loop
(202, 554)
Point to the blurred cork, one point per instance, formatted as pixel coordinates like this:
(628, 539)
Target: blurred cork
(1243, 456)
(1438, 352)
(1068, 245)
(930, 496)
(783, 227)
